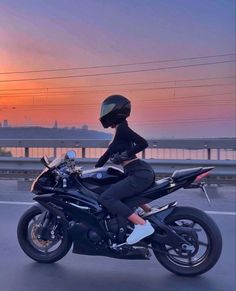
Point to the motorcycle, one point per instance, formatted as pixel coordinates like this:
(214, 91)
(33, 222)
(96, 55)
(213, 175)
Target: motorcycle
(186, 240)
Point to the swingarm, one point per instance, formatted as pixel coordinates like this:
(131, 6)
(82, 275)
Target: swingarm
(169, 235)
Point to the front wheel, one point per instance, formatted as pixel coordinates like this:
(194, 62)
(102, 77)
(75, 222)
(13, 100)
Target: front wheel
(41, 250)
(206, 243)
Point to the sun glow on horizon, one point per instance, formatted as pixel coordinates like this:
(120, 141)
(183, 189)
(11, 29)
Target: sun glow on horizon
(161, 103)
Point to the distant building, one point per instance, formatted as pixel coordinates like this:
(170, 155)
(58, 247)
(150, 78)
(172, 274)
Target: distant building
(84, 127)
(5, 123)
(55, 124)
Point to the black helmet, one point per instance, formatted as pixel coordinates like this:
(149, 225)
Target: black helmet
(114, 109)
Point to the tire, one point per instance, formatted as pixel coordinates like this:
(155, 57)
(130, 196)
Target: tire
(213, 245)
(33, 250)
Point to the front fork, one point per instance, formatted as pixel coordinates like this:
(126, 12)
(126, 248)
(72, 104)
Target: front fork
(44, 232)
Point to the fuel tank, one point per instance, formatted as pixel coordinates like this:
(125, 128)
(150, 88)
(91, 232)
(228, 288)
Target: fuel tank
(102, 176)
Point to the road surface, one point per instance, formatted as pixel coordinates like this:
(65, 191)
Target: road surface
(85, 273)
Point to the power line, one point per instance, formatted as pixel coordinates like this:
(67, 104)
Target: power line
(196, 96)
(77, 106)
(117, 65)
(163, 103)
(119, 84)
(109, 90)
(115, 73)
(186, 121)
(169, 98)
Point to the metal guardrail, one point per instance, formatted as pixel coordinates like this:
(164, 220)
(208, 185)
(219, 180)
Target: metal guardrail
(193, 143)
(208, 145)
(29, 168)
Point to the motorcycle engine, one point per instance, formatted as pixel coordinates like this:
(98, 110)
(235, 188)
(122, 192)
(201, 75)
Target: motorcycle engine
(94, 236)
(113, 225)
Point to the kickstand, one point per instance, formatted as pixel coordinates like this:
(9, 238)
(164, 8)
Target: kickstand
(203, 187)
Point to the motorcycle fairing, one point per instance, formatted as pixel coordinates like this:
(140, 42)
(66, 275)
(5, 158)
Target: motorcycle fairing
(85, 246)
(80, 204)
(66, 206)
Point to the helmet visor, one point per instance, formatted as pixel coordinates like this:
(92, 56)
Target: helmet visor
(106, 108)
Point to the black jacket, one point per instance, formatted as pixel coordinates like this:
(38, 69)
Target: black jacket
(125, 139)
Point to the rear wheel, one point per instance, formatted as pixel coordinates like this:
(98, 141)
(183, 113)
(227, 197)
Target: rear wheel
(206, 243)
(40, 250)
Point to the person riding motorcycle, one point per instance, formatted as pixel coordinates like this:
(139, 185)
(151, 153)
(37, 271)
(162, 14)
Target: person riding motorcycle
(122, 150)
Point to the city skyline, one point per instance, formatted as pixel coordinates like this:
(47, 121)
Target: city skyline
(174, 60)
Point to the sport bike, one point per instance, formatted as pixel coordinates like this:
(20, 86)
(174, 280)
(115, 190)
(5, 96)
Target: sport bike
(186, 240)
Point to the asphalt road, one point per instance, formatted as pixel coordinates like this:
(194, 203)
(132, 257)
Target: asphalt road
(85, 273)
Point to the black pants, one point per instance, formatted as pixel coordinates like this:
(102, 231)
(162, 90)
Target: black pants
(140, 176)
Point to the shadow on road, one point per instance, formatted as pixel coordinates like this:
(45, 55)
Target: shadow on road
(60, 277)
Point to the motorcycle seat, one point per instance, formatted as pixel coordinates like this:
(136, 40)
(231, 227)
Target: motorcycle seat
(157, 186)
(182, 174)
(149, 194)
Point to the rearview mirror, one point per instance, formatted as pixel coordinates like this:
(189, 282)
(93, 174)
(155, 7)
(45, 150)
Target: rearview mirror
(70, 155)
(45, 161)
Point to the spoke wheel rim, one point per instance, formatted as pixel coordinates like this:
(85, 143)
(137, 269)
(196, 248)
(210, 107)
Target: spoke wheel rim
(201, 247)
(45, 247)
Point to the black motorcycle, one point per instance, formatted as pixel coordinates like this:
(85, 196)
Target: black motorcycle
(186, 240)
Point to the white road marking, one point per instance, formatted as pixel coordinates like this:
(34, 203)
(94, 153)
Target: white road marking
(31, 203)
(221, 212)
(16, 203)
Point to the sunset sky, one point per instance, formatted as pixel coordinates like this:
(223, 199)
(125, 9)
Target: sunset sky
(174, 59)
